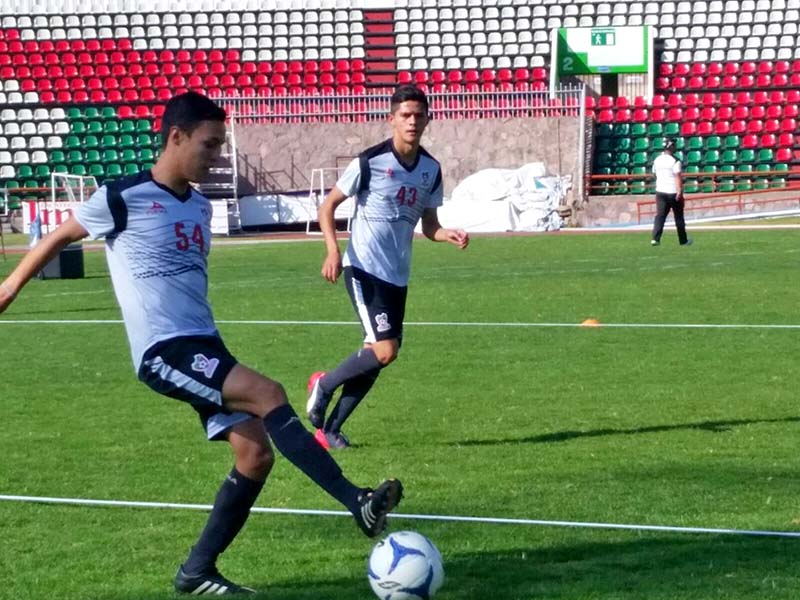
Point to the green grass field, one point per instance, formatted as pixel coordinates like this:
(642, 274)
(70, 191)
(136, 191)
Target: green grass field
(679, 426)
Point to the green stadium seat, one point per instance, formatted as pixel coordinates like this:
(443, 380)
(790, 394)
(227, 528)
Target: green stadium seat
(108, 113)
(746, 155)
(782, 167)
(693, 157)
(73, 113)
(713, 142)
(145, 154)
(60, 168)
(711, 157)
(127, 126)
(143, 126)
(108, 141)
(91, 112)
(763, 168)
(731, 142)
(744, 184)
(74, 156)
(94, 127)
(72, 141)
(691, 186)
(638, 130)
(42, 171)
(11, 184)
(91, 141)
(24, 171)
(623, 144)
(78, 127)
(110, 155)
(655, 129)
(92, 156)
(114, 170)
(128, 155)
(761, 184)
(726, 185)
(111, 126)
(125, 141)
(57, 156)
(622, 129)
(641, 144)
(130, 168)
(97, 170)
(694, 143)
(745, 168)
(640, 159)
(144, 140)
(147, 165)
(672, 129)
(605, 130)
(605, 159)
(604, 145)
(729, 157)
(621, 159)
(765, 155)
(657, 143)
(778, 182)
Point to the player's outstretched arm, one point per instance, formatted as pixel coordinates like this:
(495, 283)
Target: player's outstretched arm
(434, 231)
(332, 265)
(49, 246)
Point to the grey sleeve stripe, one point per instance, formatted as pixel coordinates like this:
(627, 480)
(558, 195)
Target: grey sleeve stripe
(118, 208)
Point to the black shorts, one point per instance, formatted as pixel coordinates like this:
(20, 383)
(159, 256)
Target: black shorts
(193, 369)
(380, 306)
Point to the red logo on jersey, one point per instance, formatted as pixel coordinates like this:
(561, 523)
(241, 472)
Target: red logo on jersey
(389, 172)
(156, 209)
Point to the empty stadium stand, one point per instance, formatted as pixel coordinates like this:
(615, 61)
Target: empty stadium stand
(83, 84)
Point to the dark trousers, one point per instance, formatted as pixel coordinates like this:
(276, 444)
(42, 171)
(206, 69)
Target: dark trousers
(665, 203)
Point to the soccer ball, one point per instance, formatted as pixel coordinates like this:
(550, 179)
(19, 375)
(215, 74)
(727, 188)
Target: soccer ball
(405, 566)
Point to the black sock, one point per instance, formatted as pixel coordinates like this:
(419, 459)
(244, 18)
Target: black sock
(231, 509)
(356, 364)
(353, 392)
(299, 446)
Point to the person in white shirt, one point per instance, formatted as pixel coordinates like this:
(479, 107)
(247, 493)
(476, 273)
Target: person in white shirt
(396, 183)
(669, 194)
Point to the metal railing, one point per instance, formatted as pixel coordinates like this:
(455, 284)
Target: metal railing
(374, 106)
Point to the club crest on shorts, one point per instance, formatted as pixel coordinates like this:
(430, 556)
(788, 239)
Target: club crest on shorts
(382, 320)
(204, 365)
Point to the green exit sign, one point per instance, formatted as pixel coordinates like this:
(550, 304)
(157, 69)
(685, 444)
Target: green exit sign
(603, 37)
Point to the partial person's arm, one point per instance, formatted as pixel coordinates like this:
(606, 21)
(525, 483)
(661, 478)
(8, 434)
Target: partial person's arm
(679, 181)
(49, 246)
(332, 265)
(434, 231)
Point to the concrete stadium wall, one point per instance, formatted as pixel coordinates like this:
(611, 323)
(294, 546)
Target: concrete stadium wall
(279, 157)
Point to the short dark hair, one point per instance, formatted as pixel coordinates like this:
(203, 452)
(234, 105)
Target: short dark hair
(408, 92)
(187, 111)
(669, 146)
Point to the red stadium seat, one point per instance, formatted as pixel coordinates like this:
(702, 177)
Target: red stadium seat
(622, 115)
(755, 126)
(712, 82)
(657, 114)
(789, 125)
(691, 99)
(780, 80)
(708, 99)
(640, 115)
(688, 128)
(791, 111)
(746, 81)
(748, 67)
(539, 74)
(357, 65)
(786, 140)
(681, 69)
(605, 102)
(342, 66)
(749, 141)
(662, 83)
(658, 101)
(758, 111)
(765, 66)
(730, 82)
(783, 155)
(722, 127)
(725, 113)
(768, 140)
(675, 100)
(675, 114)
(665, 69)
(744, 98)
(705, 128)
(708, 113)
(774, 111)
(715, 68)
(678, 83)
(605, 115)
(697, 69)
(692, 113)
(763, 80)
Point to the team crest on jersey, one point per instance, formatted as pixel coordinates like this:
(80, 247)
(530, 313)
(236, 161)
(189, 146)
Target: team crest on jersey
(390, 172)
(382, 320)
(425, 177)
(156, 209)
(204, 365)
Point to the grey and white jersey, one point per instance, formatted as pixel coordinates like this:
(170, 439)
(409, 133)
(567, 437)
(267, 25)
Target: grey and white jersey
(157, 245)
(390, 199)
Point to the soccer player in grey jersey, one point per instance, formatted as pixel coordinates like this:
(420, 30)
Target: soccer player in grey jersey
(157, 232)
(396, 183)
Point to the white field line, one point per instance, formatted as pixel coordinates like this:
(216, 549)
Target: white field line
(419, 517)
(431, 324)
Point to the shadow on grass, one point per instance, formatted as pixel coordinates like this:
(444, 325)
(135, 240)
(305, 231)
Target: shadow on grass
(663, 567)
(565, 436)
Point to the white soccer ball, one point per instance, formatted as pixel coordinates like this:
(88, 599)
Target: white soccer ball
(405, 566)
